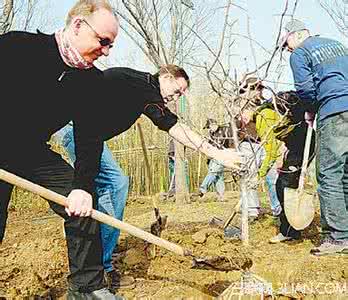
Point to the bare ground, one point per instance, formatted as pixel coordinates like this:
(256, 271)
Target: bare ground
(33, 260)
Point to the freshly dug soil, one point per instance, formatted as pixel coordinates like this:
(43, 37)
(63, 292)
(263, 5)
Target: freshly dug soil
(33, 259)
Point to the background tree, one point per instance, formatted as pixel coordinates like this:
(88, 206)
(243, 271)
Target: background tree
(24, 15)
(6, 17)
(338, 11)
(157, 29)
(172, 32)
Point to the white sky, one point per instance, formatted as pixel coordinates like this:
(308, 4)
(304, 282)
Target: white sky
(264, 18)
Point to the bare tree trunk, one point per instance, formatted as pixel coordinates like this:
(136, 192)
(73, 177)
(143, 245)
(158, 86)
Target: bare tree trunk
(245, 224)
(199, 157)
(181, 187)
(147, 163)
(6, 18)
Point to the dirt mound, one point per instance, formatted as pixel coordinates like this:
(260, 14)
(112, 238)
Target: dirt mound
(33, 261)
(33, 257)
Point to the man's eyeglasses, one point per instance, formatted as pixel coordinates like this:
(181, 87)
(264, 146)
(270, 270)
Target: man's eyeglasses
(171, 97)
(104, 42)
(178, 92)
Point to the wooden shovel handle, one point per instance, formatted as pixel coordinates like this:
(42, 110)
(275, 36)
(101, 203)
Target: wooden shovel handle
(234, 212)
(96, 215)
(305, 157)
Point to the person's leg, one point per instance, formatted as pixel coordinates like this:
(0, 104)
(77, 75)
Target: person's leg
(285, 228)
(208, 180)
(220, 185)
(345, 183)
(5, 192)
(250, 195)
(171, 166)
(6, 188)
(331, 175)
(252, 155)
(187, 175)
(253, 202)
(271, 179)
(112, 191)
(82, 234)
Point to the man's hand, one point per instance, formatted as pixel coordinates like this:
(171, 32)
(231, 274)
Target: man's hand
(80, 203)
(229, 158)
(309, 118)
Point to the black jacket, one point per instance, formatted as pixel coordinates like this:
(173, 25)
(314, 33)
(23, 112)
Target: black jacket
(39, 95)
(128, 93)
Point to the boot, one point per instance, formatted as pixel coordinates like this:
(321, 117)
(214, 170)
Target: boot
(101, 294)
(115, 281)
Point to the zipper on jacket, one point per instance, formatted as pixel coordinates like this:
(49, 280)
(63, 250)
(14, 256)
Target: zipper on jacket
(61, 76)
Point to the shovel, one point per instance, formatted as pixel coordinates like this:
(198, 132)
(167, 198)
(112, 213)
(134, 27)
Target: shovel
(219, 263)
(298, 204)
(224, 224)
(233, 231)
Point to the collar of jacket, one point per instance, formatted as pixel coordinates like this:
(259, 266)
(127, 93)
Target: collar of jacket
(153, 80)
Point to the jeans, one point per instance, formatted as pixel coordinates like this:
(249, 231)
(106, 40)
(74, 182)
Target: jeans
(332, 175)
(111, 189)
(171, 167)
(214, 177)
(47, 168)
(271, 179)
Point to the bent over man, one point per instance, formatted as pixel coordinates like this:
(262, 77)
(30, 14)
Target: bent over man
(35, 67)
(319, 66)
(142, 93)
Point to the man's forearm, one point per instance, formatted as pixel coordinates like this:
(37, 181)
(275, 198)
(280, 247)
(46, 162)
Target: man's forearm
(183, 134)
(228, 157)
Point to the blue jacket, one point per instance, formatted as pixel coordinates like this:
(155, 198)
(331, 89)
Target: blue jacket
(320, 70)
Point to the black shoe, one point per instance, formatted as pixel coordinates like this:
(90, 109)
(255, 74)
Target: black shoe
(115, 281)
(102, 294)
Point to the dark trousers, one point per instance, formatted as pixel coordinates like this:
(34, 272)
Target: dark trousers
(290, 179)
(48, 169)
(286, 180)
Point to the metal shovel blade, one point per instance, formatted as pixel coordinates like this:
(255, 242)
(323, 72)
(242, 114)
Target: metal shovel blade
(221, 263)
(233, 232)
(215, 221)
(159, 225)
(299, 208)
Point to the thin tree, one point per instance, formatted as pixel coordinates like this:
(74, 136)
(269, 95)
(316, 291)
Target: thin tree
(6, 17)
(22, 15)
(157, 29)
(338, 12)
